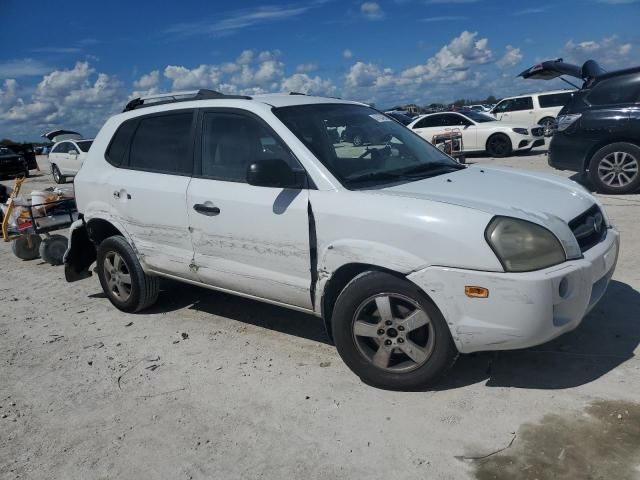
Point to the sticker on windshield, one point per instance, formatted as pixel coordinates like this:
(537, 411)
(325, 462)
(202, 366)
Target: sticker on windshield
(379, 117)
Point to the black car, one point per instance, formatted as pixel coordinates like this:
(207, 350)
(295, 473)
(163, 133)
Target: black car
(598, 130)
(12, 164)
(401, 117)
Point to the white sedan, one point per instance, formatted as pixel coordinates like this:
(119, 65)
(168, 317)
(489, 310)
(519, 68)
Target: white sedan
(480, 132)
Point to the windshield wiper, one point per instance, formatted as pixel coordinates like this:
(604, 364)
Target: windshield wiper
(371, 176)
(432, 168)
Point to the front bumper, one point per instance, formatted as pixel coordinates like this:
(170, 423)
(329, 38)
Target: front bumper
(523, 309)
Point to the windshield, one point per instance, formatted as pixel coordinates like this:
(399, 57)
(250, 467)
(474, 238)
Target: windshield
(479, 117)
(362, 147)
(85, 145)
(5, 151)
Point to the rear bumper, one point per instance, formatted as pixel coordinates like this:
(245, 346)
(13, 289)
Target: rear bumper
(523, 309)
(567, 152)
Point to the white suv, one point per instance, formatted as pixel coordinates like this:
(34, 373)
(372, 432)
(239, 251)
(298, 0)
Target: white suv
(536, 108)
(408, 256)
(66, 158)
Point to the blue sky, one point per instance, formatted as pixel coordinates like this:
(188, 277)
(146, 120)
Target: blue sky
(71, 64)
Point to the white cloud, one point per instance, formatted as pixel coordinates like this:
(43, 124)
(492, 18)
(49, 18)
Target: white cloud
(239, 20)
(203, 76)
(147, 85)
(26, 67)
(306, 67)
(443, 18)
(512, 57)
(347, 54)
(458, 55)
(303, 83)
(371, 10)
(76, 98)
(609, 51)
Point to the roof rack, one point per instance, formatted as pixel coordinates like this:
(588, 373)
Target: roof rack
(173, 97)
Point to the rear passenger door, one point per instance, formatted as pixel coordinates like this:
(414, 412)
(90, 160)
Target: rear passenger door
(153, 156)
(247, 239)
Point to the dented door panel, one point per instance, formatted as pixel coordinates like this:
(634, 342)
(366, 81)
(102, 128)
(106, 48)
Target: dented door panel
(257, 244)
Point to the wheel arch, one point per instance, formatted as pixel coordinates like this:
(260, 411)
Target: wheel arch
(338, 280)
(495, 134)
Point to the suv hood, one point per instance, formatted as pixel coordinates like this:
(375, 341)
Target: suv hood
(545, 199)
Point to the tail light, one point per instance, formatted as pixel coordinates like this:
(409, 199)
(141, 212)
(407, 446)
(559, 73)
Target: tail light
(565, 121)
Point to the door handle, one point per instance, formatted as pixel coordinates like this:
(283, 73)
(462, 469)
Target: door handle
(207, 209)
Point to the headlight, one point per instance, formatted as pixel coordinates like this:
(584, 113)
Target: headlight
(521, 131)
(522, 246)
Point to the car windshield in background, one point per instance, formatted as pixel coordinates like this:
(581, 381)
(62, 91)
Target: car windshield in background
(85, 145)
(479, 117)
(362, 147)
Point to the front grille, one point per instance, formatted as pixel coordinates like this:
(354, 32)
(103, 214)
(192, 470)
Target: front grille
(589, 228)
(537, 131)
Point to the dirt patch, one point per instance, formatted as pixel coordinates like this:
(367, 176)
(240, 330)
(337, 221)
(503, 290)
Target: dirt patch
(602, 442)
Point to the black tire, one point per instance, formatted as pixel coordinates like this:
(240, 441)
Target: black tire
(52, 249)
(462, 159)
(548, 123)
(499, 145)
(57, 176)
(143, 288)
(349, 305)
(607, 177)
(26, 247)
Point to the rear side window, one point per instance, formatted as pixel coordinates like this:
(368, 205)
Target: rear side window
(119, 147)
(615, 91)
(163, 143)
(554, 100)
(431, 121)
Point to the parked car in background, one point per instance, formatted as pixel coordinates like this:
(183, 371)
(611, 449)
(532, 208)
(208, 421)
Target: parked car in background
(66, 158)
(481, 132)
(12, 164)
(536, 108)
(408, 256)
(479, 108)
(27, 151)
(401, 117)
(598, 132)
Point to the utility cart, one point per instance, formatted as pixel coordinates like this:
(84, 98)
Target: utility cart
(28, 224)
(450, 142)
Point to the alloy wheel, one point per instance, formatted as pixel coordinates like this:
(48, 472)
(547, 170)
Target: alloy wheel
(393, 332)
(116, 273)
(498, 146)
(618, 169)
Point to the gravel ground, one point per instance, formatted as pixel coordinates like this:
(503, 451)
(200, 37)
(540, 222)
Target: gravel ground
(206, 385)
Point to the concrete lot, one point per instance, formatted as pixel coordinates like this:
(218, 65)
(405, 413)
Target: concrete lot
(206, 385)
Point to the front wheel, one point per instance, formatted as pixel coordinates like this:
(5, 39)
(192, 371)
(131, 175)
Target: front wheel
(499, 146)
(129, 289)
(548, 125)
(614, 168)
(390, 334)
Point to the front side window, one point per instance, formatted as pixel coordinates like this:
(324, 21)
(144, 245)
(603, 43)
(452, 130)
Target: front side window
(374, 150)
(61, 148)
(522, 103)
(429, 121)
(503, 106)
(163, 143)
(231, 142)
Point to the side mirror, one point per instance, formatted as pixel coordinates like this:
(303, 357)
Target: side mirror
(275, 173)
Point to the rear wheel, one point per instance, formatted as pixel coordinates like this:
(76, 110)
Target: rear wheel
(615, 168)
(57, 176)
(499, 145)
(390, 334)
(129, 289)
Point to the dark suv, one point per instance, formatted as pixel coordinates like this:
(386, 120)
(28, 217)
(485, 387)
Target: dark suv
(598, 130)
(12, 164)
